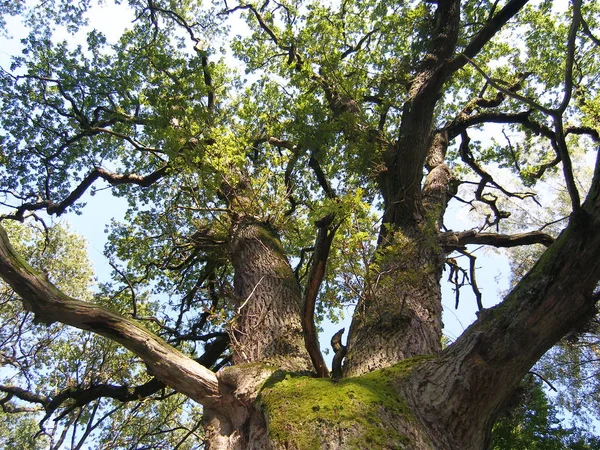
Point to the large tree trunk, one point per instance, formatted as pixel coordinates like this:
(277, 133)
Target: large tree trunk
(399, 315)
(269, 324)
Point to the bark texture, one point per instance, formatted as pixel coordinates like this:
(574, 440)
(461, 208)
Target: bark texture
(399, 315)
(269, 323)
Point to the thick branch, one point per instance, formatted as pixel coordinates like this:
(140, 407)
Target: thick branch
(84, 396)
(476, 374)
(457, 240)
(24, 395)
(51, 305)
(489, 30)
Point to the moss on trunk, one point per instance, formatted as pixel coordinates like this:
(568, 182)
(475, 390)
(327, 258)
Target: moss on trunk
(355, 413)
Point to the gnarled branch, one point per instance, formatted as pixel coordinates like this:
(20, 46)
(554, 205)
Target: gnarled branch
(50, 305)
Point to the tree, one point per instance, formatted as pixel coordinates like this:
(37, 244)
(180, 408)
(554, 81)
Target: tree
(338, 152)
(530, 422)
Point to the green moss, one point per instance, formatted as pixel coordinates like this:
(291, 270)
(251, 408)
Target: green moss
(269, 238)
(302, 410)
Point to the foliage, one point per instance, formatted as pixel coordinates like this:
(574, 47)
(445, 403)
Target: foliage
(530, 422)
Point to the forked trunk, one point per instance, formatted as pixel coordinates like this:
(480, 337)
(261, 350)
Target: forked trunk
(291, 411)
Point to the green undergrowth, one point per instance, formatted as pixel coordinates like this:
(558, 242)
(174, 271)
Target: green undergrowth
(360, 412)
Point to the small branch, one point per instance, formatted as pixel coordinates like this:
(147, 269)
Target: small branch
(550, 385)
(325, 236)
(586, 30)
(570, 58)
(512, 152)
(239, 310)
(129, 285)
(361, 42)
(472, 278)
(488, 199)
(453, 278)
(321, 178)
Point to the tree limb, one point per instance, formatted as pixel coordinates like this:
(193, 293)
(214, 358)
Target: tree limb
(50, 305)
(452, 240)
(322, 247)
(481, 368)
(113, 179)
(489, 30)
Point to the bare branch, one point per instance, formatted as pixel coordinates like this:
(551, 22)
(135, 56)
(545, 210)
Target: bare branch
(112, 178)
(472, 278)
(452, 240)
(325, 235)
(488, 199)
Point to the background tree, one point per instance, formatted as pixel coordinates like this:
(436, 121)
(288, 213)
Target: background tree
(530, 422)
(339, 151)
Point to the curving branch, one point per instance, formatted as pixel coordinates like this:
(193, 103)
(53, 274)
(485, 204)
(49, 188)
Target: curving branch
(570, 58)
(112, 178)
(322, 247)
(557, 114)
(313, 163)
(202, 53)
(501, 86)
(50, 305)
(487, 32)
(453, 240)
(586, 30)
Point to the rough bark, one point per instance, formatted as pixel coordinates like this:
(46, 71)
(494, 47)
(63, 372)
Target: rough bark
(399, 315)
(269, 323)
